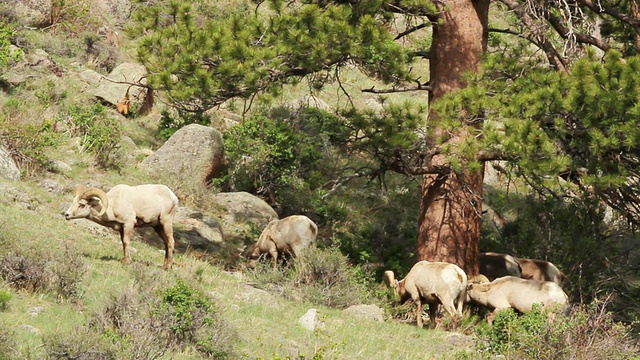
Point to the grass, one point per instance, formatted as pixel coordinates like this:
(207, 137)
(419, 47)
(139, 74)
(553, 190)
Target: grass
(267, 324)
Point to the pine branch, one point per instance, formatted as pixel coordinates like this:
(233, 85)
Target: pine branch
(419, 87)
(544, 43)
(600, 7)
(412, 29)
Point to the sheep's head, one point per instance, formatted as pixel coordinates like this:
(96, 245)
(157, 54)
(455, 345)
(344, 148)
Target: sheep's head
(84, 200)
(391, 281)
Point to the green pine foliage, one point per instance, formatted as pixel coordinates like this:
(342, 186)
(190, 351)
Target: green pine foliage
(200, 62)
(546, 123)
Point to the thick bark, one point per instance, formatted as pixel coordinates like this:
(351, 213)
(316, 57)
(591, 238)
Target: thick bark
(450, 213)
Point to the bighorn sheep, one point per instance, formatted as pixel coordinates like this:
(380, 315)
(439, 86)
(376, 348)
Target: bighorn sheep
(432, 283)
(540, 270)
(517, 293)
(495, 265)
(126, 207)
(288, 236)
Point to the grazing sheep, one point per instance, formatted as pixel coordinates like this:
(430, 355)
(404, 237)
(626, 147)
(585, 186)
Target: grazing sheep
(495, 265)
(288, 236)
(432, 283)
(126, 207)
(540, 270)
(517, 293)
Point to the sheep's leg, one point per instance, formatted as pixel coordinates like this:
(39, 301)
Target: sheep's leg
(450, 308)
(273, 251)
(433, 308)
(125, 237)
(418, 303)
(274, 257)
(166, 234)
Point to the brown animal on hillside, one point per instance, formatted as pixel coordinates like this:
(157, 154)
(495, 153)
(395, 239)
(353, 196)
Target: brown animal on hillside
(288, 236)
(494, 265)
(540, 270)
(123, 106)
(517, 293)
(126, 207)
(431, 283)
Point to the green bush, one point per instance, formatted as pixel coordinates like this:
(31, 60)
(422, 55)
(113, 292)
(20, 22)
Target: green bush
(99, 132)
(148, 322)
(27, 143)
(5, 297)
(583, 333)
(170, 122)
(284, 157)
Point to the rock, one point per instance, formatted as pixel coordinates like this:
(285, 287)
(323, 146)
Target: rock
(33, 13)
(243, 207)
(195, 152)
(205, 226)
(52, 186)
(117, 10)
(8, 168)
(11, 194)
(112, 92)
(310, 320)
(59, 167)
(29, 328)
(36, 310)
(366, 311)
(90, 77)
(248, 293)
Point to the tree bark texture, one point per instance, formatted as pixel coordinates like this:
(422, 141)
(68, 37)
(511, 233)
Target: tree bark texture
(451, 208)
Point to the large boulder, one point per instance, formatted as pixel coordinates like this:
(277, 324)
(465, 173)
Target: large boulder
(242, 208)
(8, 168)
(33, 13)
(194, 152)
(114, 86)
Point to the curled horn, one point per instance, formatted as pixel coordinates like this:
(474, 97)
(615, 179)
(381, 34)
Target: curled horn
(89, 193)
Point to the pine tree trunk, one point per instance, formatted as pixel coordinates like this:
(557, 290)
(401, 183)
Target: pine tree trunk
(450, 212)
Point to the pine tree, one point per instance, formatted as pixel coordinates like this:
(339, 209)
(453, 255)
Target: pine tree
(540, 101)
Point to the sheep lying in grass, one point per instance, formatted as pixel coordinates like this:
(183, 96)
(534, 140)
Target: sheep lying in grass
(126, 207)
(517, 293)
(432, 283)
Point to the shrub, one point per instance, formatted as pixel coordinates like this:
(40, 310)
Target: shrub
(5, 297)
(82, 344)
(148, 323)
(28, 143)
(320, 276)
(585, 332)
(170, 122)
(39, 271)
(99, 133)
(7, 343)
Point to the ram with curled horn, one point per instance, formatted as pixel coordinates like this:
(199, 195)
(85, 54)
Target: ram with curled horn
(126, 207)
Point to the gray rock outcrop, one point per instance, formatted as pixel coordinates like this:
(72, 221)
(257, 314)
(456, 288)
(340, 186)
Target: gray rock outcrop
(194, 152)
(8, 168)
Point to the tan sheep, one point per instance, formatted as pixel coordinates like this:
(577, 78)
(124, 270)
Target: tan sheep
(288, 236)
(517, 293)
(494, 265)
(432, 283)
(126, 207)
(540, 270)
